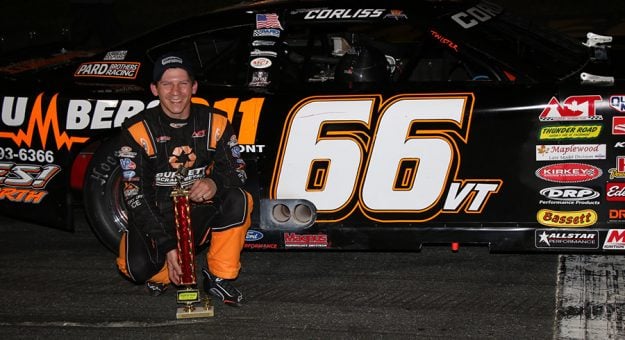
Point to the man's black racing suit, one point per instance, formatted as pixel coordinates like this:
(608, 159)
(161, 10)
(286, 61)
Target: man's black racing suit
(153, 146)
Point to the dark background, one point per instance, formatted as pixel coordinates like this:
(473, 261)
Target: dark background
(37, 22)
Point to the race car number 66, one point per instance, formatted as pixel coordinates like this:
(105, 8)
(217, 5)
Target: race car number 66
(330, 155)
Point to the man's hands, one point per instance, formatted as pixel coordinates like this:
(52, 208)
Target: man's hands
(173, 267)
(203, 190)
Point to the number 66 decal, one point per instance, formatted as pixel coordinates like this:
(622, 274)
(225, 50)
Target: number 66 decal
(401, 170)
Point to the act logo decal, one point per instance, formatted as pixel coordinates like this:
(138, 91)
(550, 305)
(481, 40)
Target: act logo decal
(573, 108)
(400, 165)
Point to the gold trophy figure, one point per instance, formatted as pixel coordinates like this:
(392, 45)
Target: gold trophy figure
(188, 295)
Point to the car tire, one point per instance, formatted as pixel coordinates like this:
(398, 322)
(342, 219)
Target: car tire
(102, 195)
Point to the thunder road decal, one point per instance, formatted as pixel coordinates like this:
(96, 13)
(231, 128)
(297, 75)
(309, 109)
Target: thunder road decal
(569, 132)
(56, 120)
(400, 166)
(574, 108)
(567, 219)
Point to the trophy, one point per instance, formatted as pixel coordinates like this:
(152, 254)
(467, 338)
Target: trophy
(188, 295)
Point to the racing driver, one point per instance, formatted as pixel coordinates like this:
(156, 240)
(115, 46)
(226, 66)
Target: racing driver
(155, 144)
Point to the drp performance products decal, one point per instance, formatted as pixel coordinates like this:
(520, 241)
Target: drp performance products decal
(398, 166)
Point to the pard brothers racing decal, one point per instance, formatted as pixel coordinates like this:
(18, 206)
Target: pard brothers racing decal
(401, 168)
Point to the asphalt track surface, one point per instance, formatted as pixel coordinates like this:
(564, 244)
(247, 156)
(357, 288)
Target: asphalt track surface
(64, 285)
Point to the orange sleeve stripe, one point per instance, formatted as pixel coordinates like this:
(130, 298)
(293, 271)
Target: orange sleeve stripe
(141, 135)
(217, 129)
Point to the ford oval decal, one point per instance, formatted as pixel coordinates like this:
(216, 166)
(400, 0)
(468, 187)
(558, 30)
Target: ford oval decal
(253, 235)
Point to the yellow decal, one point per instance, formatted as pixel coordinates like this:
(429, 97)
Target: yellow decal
(570, 131)
(567, 219)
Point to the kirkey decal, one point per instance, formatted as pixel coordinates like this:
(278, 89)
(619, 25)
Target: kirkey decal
(569, 172)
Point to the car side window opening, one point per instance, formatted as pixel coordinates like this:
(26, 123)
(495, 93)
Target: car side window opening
(396, 52)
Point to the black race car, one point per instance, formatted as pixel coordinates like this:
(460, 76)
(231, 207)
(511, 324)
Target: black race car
(364, 125)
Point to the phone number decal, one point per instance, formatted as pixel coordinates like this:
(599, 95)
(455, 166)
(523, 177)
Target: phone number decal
(27, 155)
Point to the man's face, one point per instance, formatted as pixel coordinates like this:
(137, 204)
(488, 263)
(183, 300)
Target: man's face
(174, 91)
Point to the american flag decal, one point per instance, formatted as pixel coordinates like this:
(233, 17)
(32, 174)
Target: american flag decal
(267, 21)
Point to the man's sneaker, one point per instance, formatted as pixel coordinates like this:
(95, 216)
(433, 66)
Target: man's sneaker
(155, 288)
(222, 289)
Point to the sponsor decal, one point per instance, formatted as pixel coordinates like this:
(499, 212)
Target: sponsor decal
(614, 239)
(574, 239)
(130, 190)
(266, 32)
(261, 63)
(39, 124)
(396, 14)
(168, 178)
(574, 108)
(569, 194)
(267, 21)
(259, 53)
(259, 78)
(569, 172)
(292, 240)
(619, 145)
(567, 219)
(619, 170)
(617, 102)
(561, 152)
(342, 13)
(115, 55)
(43, 121)
(106, 69)
(570, 132)
(618, 125)
(253, 236)
(127, 164)
(616, 215)
(24, 183)
(26, 155)
(615, 192)
(443, 40)
(257, 43)
(198, 134)
(260, 246)
(475, 15)
(259, 148)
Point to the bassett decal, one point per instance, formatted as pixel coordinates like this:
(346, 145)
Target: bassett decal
(567, 219)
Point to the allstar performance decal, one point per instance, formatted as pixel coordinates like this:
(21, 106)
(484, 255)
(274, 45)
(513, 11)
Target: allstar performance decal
(566, 239)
